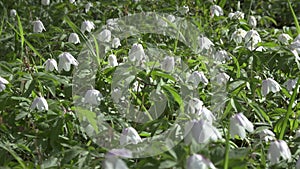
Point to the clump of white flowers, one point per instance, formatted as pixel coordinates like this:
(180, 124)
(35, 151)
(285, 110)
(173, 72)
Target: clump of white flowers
(277, 149)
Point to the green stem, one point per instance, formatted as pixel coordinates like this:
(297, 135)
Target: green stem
(289, 111)
(226, 161)
(295, 17)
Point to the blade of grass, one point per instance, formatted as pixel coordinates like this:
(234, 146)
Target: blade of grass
(13, 153)
(295, 17)
(21, 32)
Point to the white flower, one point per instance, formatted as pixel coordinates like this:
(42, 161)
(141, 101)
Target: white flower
(71, 1)
(87, 26)
(65, 61)
(236, 15)
(269, 85)
(221, 56)
(74, 38)
(251, 39)
(50, 65)
(116, 43)
(39, 103)
(168, 64)
(238, 124)
(136, 53)
(105, 35)
(207, 115)
(278, 149)
(45, 2)
(238, 35)
(130, 136)
(204, 43)
(290, 84)
(184, 10)
(112, 60)
(197, 161)
(297, 133)
(252, 22)
(116, 94)
(93, 96)
(267, 135)
(194, 106)
(13, 13)
(201, 131)
(171, 18)
(38, 26)
(3, 83)
(222, 78)
(284, 38)
(216, 10)
(298, 163)
(197, 77)
(87, 7)
(113, 162)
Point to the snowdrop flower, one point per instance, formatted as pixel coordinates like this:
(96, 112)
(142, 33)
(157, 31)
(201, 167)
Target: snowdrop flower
(207, 115)
(236, 15)
(45, 2)
(65, 61)
(238, 35)
(74, 38)
(278, 149)
(269, 85)
(197, 161)
(290, 84)
(267, 135)
(252, 22)
(201, 131)
(194, 106)
(168, 64)
(251, 39)
(197, 77)
(50, 65)
(105, 35)
(40, 104)
(112, 60)
(204, 43)
(136, 53)
(3, 83)
(222, 78)
(38, 26)
(184, 10)
(87, 7)
(13, 13)
(113, 162)
(284, 38)
(93, 97)
(87, 26)
(216, 10)
(129, 136)
(238, 124)
(116, 43)
(221, 56)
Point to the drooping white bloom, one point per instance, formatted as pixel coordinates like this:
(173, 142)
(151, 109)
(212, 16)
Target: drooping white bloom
(277, 149)
(216, 10)
(74, 38)
(87, 7)
(50, 65)
(45, 2)
(251, 39)
(221, 56)
(196, 77)
(252, 22)
(197, 161)
(105, 35)
(38, 26)
(87, 26)
(284, 38)
(222, 78)
(201, 131)
(3, 83)
(269, 85)
(207, 115)
(267, 135)
(236, 15)
(116, 43)
(113, 162)
(65, 61)
(184, 10)
(13, 13)
(112, 60)
(290, 84)
(168, 64)
(194, 105)
(40, 104)
(136, 53)
(204, 43)
(238, 35)
(238, 124)
(93, 97)
(129, 136)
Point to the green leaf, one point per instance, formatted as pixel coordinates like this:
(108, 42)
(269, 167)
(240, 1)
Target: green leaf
(90, 116)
